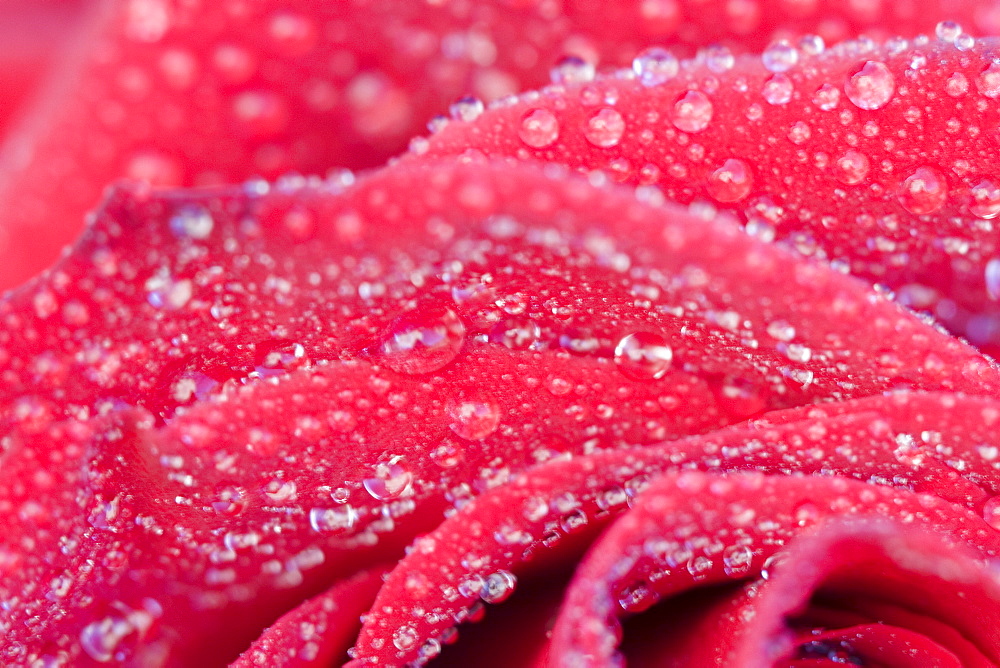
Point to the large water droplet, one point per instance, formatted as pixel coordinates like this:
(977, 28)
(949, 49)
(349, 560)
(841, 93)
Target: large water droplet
(391, 480)
(539, 128)
(655, 66)
(719, 59)
(498, 587)
(643, 356)
(604, 128)
(515, 332)
(947, 31)
(924, 191)
(992, 277)
(731, 182)
(692, 112)
(423, 340)
(991, 512)
(870, 85)
(473, 420)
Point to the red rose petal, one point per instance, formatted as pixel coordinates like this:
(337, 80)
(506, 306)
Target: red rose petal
(210, 92)
(714, 507)
(926, 602)
(501, 528)
(319, 631)
(170, 297)
(880, 158)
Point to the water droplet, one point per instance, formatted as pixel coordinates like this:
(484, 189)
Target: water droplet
(637, 598)
(655, 66)
(692, 111)
(405, 637)
(571, 70)
(539, 128)
(992, 276)
(777, 89)
(604, 128)
(780, 57)
(799, 133)
(957, 85)
(281, 491)
(423, 340)
(473, 420)
(719, 59)
(737, 561)
(515, 332)
(870, 85)
(851, 168)
(988, 81)
(826, 97)
(985, 199)
(279, 358)
(391, 480)
(991, 512)
(924, 191)
(812, 45)
(643, 356)
(731, 182)
(229, 500)
(163, 291)
(948, 31)
(498, 587)
(466, 108)
(192, 221)
(332, 520)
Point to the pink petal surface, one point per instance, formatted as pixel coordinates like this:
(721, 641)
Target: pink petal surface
(876, 157)
(662, 546)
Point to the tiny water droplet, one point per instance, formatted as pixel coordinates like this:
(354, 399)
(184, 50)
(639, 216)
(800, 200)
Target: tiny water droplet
(731, 182)
(870, 85)
(423, 340)
(539, 128)
(605, 128)
(826, 97)
(737, 561)
(637, 598)
(571, 70)
(924, 191)
(655, 66)
(643, 356)
(692, 111)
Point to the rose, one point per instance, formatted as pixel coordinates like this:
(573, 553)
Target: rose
(599, 318)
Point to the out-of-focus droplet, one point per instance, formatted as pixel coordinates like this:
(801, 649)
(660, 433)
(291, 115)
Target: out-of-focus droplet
(780, 57)
(655, 66)
(948, 31)
(643, 356)
(466, 108)
(572, 70)
(498, 587)
(870, 86)
(777, 89)
(826, 97)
